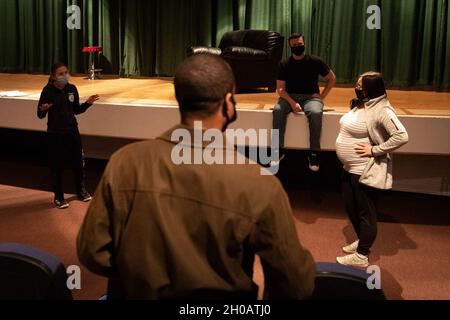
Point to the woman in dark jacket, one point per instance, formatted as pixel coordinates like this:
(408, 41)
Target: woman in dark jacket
(59, 101)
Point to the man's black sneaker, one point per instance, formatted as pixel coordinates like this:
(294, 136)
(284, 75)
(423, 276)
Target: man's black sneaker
(313, 160)
(84, 196)
(61, 203)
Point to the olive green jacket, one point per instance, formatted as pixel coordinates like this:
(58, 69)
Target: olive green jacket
(162, 230)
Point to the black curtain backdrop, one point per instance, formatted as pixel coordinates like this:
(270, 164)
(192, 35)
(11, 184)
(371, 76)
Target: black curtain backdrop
(150, 37)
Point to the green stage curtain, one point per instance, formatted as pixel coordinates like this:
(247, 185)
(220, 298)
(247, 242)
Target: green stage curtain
(415, 43)
(150, 37)
(30, 34)
(342, 38)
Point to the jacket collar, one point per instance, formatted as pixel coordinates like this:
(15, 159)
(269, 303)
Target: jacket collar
(191, 134)
(52, 87)
(375, 101)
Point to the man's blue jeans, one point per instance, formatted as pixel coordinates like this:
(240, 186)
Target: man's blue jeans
(313, 109)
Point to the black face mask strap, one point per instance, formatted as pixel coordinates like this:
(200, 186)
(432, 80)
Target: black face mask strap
(224, 109)
(225, 113)
(233, 101)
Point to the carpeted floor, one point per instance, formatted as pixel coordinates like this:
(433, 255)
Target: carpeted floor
(412, 248)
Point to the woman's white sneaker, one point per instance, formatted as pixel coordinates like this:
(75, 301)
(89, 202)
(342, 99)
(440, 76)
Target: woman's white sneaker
(354, 260)
(351, 248)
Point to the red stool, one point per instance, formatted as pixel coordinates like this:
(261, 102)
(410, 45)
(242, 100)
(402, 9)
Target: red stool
(94, 74)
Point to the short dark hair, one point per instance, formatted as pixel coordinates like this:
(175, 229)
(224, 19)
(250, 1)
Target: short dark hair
(295, 36)
(201, 83)
(373, 84)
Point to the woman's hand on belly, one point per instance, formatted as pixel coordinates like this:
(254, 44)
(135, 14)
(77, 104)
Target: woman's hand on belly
(364, 150)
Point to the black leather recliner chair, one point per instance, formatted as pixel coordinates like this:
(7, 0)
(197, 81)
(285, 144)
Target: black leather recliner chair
(254, 56)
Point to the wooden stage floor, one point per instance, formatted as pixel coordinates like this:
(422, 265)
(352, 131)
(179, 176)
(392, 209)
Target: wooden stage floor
(159, 91)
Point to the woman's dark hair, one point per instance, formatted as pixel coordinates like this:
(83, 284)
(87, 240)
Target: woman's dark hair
(53, 69)
(373, 84)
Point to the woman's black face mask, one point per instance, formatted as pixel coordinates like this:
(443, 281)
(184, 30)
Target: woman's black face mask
(360, 94)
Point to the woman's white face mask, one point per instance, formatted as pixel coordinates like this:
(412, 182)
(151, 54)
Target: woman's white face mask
(62, 81)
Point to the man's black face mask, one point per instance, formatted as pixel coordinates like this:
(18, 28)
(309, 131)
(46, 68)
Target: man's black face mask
(233, 118)
(299, 50)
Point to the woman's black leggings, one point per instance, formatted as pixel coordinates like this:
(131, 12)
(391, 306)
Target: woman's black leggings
(66, 148)
(360, 206)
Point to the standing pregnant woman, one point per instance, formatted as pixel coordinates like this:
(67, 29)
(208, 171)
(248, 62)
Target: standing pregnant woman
(369, 133)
